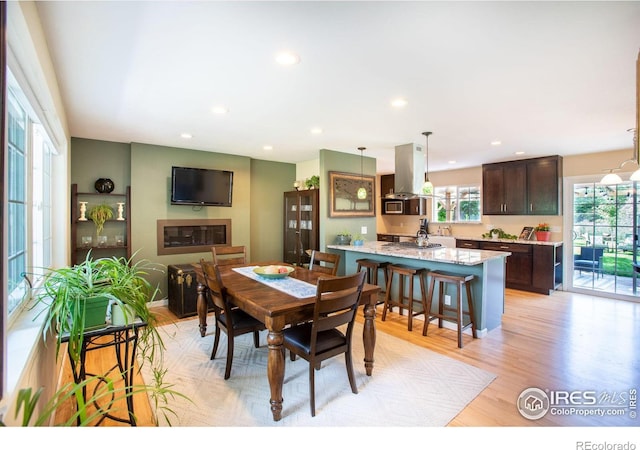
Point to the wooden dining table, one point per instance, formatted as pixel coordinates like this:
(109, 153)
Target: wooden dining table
(277, 309)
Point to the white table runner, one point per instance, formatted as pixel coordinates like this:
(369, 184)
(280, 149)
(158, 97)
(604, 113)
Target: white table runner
(288, 285)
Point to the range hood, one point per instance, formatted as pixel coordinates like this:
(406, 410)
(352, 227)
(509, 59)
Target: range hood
(410, 174)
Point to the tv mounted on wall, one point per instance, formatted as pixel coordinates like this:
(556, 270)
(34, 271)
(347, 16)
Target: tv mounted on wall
(203, 187)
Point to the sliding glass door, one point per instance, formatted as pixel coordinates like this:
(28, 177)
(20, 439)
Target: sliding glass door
(604, 238)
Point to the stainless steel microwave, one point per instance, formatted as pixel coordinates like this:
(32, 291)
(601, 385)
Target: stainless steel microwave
(393, 206)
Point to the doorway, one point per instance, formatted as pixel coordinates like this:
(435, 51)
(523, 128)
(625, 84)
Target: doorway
(604, 239)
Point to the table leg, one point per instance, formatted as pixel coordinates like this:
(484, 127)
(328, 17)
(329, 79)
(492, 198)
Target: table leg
(275, 370)
(201, 307)
(369, 332)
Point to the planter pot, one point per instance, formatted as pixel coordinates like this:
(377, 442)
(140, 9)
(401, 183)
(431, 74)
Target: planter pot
(95, 312)
(358, 242)
(543, 235)
(122, 315)
(343, 240)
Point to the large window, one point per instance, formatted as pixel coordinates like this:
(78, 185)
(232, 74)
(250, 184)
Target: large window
(457, 204)
(29, 153)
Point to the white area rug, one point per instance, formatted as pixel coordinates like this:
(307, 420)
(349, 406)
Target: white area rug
(410, 386)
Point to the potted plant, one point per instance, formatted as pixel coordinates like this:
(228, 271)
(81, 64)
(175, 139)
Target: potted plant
(313, 182)
(343, 238)
(358, 239)
(543, 232)
(100, 214)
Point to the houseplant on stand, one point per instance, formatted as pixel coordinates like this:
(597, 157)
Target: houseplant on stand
(118, 281)
(100, 214)
(343, 238)
(543, 232)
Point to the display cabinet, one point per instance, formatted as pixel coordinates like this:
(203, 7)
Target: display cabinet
(301, 230)
(115, 238)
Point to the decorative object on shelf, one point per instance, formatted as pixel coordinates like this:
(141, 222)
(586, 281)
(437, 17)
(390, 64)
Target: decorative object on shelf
(83, 211)
(501, 234)
(87, 241)
(427, 187)
(296, 185)
(102, 241)
(343, 238)
(313, 182)
(100, 214)
(119, 240)
(104, 185)
(120, 211)
(543, 232)
(362, 191)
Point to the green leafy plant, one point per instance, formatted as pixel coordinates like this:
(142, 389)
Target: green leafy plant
(344, 233)
(543, 227)
(100, 214)
(313, 182)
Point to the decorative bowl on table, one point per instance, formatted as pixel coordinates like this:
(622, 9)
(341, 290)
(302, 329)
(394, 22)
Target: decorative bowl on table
(274, 271)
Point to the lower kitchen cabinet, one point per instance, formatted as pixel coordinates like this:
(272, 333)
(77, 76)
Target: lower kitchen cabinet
(530, 267)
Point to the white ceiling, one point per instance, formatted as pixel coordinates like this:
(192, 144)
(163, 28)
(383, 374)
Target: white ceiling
(542, 77)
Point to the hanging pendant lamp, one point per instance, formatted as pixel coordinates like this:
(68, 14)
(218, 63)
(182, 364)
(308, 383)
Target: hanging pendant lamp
(427, 187)
(362, 191)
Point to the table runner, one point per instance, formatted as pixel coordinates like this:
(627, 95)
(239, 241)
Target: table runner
(291, 286)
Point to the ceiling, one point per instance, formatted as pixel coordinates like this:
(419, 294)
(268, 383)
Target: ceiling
(541, 77)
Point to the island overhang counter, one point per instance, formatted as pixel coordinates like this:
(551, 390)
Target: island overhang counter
(488, 268)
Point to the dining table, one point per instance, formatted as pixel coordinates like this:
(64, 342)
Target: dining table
(278, 309)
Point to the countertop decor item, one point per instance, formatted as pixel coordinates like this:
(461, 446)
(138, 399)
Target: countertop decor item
(343, 238)
(543, 232)
(104, 185)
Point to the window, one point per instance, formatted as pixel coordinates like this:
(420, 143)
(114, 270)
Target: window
(29, 152)
(457, 204)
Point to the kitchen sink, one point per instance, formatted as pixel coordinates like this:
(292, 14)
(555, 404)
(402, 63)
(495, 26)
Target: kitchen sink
(412, 244)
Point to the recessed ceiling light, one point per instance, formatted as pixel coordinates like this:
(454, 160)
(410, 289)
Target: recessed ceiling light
(316, 130)
(399, 102)
(220, 110)
(453, 161)
(519, 153)
(496, 142)
(287, 58)
(185, 136)
(267, 147)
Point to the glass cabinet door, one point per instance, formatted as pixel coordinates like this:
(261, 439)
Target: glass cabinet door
(300, 225)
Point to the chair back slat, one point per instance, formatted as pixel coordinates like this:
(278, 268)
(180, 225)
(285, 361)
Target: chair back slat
(216, 289)
(330, 261)
(337, 301)
(228, 255)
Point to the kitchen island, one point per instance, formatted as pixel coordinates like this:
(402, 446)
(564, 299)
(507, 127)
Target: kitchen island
(487, 266)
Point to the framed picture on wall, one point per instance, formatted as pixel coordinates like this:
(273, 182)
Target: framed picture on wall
(343, 195)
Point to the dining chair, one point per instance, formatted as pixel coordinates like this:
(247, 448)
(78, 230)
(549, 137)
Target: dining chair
(324, 262)
(336, 304)
(233, 321)
(227, 255)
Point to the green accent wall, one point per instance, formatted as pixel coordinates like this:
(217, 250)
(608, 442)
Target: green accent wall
(256, 214)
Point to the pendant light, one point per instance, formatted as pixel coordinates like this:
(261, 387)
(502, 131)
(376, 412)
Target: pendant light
(427, 187)
(362, 192)
(612, 178)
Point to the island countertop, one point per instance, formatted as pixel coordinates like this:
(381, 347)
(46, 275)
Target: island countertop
(462, 256)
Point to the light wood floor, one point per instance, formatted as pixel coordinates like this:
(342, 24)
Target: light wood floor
(563, 342)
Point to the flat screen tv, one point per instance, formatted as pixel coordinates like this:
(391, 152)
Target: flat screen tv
(204, 187)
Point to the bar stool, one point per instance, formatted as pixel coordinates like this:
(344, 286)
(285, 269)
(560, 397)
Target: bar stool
(405, 273)
(373, 267)
(459, 280)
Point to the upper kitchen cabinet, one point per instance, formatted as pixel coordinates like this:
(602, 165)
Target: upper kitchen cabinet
(386, 184)
(524, 187)
(503, 188)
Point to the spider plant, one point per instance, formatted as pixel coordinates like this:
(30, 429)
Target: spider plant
(100, 214)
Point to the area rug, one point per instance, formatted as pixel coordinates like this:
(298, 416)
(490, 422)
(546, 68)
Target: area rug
(410, 385)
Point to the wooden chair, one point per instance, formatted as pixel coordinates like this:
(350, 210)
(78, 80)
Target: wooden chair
(228, 255)
(330, 260)
(233, 321)
(336, 304)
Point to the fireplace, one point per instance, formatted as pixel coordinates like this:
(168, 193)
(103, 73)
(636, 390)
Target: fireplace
(192, 235)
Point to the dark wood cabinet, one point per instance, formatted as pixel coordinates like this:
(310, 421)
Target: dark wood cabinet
(387, 183)
(301, 220)
(525, 187)
(530, 267)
